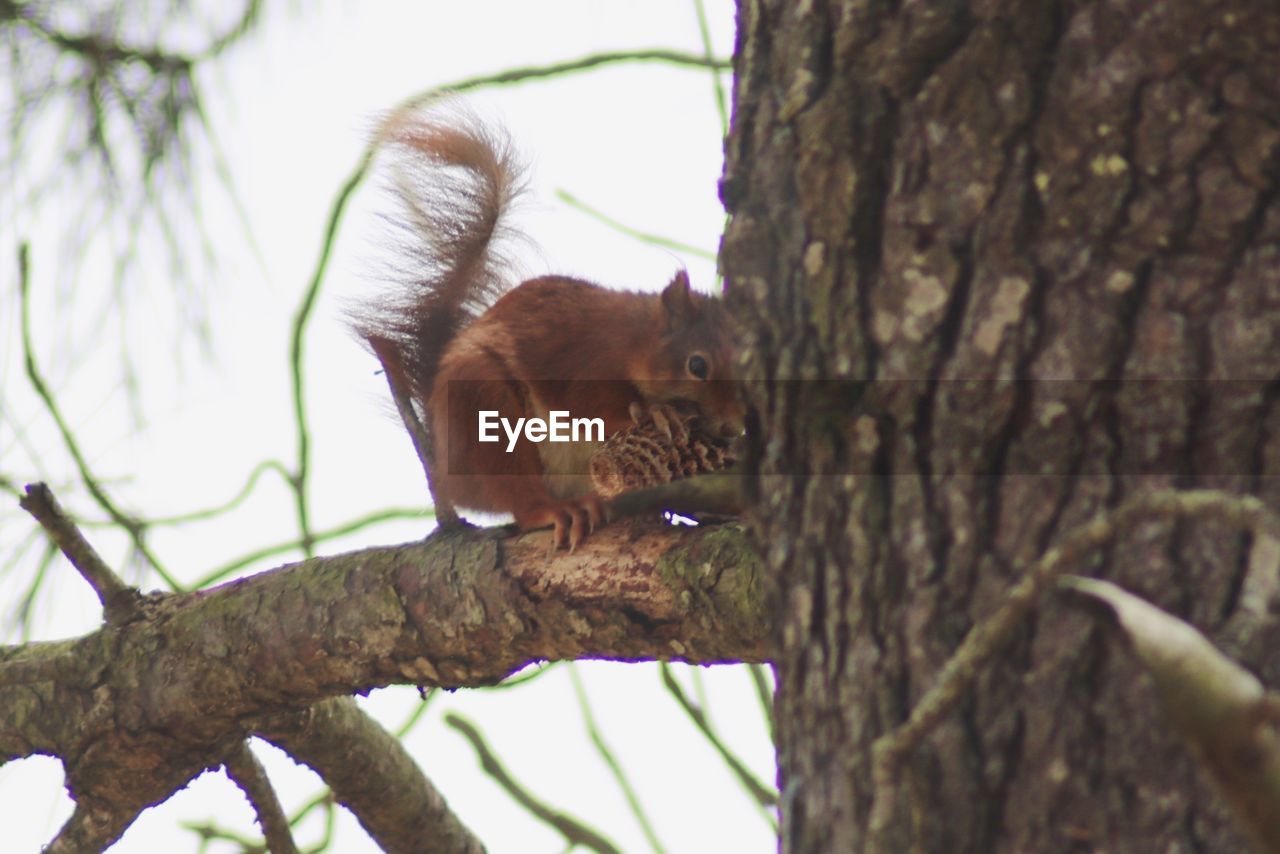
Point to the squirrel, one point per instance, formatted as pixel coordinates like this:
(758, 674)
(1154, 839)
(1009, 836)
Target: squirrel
(458, 345)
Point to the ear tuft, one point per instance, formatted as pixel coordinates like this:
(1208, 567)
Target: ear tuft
(677, 297)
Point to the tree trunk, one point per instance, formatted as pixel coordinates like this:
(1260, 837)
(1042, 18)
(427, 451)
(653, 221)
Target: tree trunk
(1004, 266)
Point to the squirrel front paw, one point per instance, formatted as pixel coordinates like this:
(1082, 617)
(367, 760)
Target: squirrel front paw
(669, 420)
(571, 519)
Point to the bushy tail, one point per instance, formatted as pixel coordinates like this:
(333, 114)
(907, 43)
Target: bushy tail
(455, 179)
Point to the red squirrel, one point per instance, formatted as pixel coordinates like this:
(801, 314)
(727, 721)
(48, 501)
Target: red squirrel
(461, 346)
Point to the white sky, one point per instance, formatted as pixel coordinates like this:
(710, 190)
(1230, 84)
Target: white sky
(292, 106)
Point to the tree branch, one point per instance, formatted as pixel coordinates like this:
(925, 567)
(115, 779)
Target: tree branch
(24, 670)
(987, 637)
(372, 775)
(168, 695)
(119, 600)
(247, 773)
(88, 830)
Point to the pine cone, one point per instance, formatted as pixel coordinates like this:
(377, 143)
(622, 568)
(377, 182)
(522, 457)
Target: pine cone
(660, 447)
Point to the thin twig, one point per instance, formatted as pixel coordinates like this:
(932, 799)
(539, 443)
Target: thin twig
(20, 549)
(330, 821)
(237, 31)
(26, 602)
(417, 713)
(225, 507)
(6, 484)
(643, 236)
(763, 795)
(574, 831)
(40, 502)
(555, 69)
(524, 676)
(615, 767)
(247, 773)
(717, 85)
(323, 798)
(119, 600)
(131, 526)
(210, 832)
(717, 91)
(764, 693)
(342, 530)
(988, 636)
(700, 694)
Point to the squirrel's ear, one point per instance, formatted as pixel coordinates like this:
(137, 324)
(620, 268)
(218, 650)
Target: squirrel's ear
(677, 297)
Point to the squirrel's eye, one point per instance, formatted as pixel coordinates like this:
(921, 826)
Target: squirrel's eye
(698, 366)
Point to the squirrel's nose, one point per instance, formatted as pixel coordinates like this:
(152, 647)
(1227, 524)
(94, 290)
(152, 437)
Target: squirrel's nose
(734, 421)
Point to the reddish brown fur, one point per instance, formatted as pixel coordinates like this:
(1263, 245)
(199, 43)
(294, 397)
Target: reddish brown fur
(552, 343)
(454, 182)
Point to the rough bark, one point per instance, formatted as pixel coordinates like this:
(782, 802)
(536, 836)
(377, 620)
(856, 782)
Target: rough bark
(370, 772)
(1002, 266)
(136, 709)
